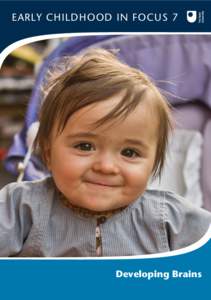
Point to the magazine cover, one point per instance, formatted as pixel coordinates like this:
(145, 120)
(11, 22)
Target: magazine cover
(105, 167)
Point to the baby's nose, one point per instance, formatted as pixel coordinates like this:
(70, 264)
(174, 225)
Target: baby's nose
(106, 163)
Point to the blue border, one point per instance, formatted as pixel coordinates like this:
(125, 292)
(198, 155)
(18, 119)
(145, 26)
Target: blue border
(95, 279)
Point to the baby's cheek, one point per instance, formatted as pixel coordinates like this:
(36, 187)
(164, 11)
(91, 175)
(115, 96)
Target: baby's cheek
(71, 166)
(137, 180)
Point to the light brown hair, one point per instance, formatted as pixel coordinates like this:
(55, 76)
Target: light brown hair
(96, 76)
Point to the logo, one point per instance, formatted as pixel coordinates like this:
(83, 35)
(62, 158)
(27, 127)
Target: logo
(193, 16)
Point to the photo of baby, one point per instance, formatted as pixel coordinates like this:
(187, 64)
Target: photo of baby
(103, 131)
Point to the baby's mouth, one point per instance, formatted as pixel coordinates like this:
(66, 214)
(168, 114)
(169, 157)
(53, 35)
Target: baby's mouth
(102, 183)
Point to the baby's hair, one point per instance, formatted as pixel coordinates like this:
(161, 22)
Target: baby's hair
(96, 76)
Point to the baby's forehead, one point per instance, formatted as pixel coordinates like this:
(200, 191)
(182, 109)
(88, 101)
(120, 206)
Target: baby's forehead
(98, 110)
(138, 123)
(111, 112)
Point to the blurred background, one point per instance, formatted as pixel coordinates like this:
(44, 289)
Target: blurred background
(17, 78)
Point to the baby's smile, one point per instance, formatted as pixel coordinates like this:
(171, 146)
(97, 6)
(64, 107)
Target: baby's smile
(103, 181)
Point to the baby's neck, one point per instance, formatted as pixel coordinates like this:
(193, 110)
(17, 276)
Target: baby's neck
(90, 213)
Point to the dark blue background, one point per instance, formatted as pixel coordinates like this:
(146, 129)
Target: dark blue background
(95, 279)
(18, 30)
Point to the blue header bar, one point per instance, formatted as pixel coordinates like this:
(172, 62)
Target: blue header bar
(24, 20)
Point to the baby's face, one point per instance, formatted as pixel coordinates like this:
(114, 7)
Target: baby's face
(108, 167)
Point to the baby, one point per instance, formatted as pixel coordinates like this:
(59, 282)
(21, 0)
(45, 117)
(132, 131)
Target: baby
(103, 134)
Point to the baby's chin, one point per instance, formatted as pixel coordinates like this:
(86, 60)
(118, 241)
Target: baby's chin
(100, 208)
(98, 205)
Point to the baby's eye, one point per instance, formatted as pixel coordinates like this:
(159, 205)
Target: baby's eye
(131, 153)
(84, 146)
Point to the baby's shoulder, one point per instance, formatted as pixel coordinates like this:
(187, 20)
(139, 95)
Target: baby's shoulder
(165, 198)
(39, 184)
(173, 206)
(27, 191)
